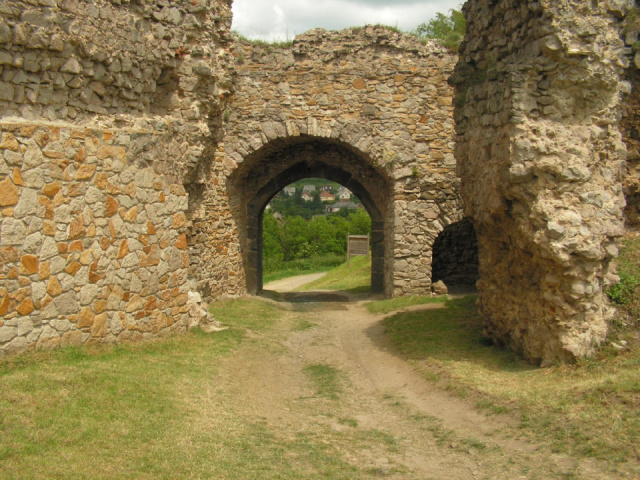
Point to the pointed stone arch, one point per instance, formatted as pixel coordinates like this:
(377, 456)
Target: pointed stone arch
(382, 126)
(282, 161)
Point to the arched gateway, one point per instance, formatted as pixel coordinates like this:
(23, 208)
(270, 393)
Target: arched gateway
(134, 166)
(286, 161)
(379, 123)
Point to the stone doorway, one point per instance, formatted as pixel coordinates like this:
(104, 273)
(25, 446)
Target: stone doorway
(281, 162)
(455, 255)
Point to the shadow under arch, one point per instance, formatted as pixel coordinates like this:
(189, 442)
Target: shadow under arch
(455, 255)
(283, 161)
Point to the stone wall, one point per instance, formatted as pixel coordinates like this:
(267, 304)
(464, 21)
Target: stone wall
(541, 161)
(368, 106)
(139, 146)
(107, 107)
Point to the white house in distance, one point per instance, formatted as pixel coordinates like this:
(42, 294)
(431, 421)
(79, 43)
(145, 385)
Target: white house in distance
(289, 190)
(344, 193)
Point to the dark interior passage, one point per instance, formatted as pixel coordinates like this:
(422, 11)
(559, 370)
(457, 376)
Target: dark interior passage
(455, 255)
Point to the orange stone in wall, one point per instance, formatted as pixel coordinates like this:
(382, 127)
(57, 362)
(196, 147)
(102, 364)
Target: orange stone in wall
(181, 242)
(4, 305)
(51, 189)
(73, 268)
(9, 193)
(85, 318)
(112, 206)
(123, 251)
(45, 270)
(76, 229)
(54, 288)
(17, 177)
(26, 307)
(29, 265)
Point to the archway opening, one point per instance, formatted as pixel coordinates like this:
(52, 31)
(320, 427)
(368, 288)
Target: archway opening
(265, 172)
(305, 228)
(455, 255)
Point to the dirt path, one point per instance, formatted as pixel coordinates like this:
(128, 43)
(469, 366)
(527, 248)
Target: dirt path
(291, 283)
(385, 419)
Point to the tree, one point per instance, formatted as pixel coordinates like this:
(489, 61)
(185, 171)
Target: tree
(359, 222)
(448, 29)
(271, 238)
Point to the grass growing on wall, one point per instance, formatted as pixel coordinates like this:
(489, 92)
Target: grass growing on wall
(263, 43)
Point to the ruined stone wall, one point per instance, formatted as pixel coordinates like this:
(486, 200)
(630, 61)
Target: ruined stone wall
(381, 98)
(106, 108)
(541, 161)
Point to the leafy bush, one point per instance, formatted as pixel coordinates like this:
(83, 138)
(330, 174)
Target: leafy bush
(448, 29)
(295, 238)
(627, 293)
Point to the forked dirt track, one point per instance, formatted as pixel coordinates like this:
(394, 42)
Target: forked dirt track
(425, 432)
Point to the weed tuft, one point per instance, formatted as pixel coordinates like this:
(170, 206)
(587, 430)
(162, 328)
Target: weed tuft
(326, 379)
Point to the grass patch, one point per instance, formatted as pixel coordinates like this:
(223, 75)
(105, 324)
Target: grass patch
(153, 411)
(109, 412)
(626, 294)
(325, 378)
(277, 269)
(246, 313)
(589, 409)
(355, 278)
(398, 303)
(349, 422)
(302, 324)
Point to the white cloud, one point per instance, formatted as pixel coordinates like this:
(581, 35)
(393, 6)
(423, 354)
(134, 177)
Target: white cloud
(281, 19)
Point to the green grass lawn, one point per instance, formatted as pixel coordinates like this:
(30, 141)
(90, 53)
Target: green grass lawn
(113, 412)
(152, 411)
(278, 270)
(589, 409)
(354, 278)
(398, 303)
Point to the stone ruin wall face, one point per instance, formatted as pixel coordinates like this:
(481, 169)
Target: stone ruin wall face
(120, 192)
(541, 158)
(370, 101)
(106, 108)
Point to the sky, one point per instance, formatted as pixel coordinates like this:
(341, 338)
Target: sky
(284, 19)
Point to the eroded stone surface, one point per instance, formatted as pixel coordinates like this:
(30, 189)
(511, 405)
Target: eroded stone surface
(541, 161)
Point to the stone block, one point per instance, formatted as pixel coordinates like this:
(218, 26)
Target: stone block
(9, 193)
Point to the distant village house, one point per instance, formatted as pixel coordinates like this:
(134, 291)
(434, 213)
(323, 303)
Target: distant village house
(327, 197)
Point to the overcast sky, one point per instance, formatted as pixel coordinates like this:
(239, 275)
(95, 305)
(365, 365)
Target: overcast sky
(284, 19)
